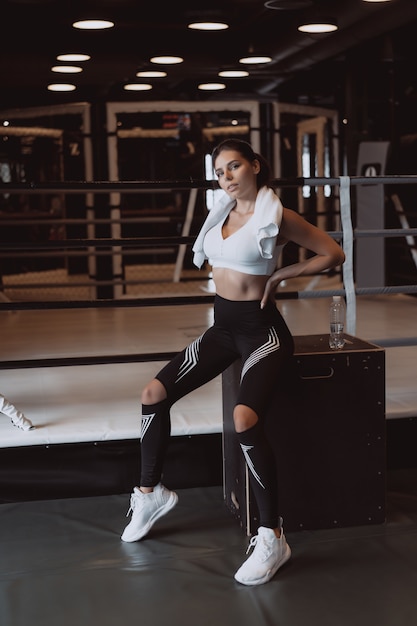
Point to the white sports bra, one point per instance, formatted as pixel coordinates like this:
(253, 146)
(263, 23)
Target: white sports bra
(241, 251)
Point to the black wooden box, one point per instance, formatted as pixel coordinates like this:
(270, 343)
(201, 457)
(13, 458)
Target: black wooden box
(327, 428)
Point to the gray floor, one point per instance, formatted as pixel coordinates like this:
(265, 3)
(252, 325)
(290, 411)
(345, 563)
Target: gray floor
(63, 564)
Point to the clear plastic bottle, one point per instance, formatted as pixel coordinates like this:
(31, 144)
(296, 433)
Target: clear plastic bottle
(337, 323)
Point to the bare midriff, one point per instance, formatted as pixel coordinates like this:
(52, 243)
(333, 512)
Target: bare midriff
(233, 285)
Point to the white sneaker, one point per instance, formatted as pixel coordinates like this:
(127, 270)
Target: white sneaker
(21, 421)
(146, 508)
(267, 557)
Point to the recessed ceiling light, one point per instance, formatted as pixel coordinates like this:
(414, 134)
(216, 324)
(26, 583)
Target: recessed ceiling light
(255, 59)
(66, 69)
(73, 57)
(327, 25)
(93, 24)
(61, 87)
(377, 0)
(208, 25)
(137, 87)
(166, 60)
(212, 86)
(233, 73)
(151, 74)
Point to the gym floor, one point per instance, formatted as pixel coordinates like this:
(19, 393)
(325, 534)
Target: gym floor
(62, 563)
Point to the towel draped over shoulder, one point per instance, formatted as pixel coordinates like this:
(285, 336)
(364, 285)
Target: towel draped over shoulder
(267, 215)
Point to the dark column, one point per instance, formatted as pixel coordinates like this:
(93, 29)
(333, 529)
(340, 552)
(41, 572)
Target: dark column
(102, 210)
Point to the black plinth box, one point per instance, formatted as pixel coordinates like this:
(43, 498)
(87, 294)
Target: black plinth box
(327, 428)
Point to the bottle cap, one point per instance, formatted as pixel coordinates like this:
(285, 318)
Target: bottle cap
(337, 298)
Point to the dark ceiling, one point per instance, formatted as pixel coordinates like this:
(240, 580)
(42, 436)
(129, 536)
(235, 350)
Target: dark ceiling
(33, 32)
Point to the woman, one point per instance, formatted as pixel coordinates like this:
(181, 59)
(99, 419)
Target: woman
(241, 238)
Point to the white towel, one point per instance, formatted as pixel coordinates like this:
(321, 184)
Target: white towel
(267, 215)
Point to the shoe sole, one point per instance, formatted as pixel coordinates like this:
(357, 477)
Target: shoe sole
(270, 574)
(173, 499)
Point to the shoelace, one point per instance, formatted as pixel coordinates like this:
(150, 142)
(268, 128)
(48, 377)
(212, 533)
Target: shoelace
(261, 548)
(134, 503)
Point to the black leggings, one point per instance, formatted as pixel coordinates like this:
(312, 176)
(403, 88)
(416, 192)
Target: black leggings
(262, 341)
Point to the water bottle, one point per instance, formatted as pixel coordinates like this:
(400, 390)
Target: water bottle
(337, 323)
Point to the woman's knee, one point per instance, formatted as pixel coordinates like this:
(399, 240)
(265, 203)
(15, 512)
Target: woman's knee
(153, 392)
(244, 418)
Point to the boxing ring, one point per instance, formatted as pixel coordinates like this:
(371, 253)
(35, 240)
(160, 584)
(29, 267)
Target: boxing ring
(76, 368)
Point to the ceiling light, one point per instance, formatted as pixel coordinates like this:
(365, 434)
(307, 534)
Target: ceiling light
(93, 24)
(318, 25)
(66, 69)
(233, 73)
(151, 74)
(208, 25)
(73, 57)
(61, 87)
(166, 60)
(137, 87)
(255, 59)
(212, 86)
(376, 0)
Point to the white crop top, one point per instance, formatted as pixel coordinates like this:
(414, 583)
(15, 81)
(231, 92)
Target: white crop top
(253, 248)
(240, 251)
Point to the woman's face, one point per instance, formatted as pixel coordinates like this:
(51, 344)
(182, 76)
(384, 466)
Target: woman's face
(237, 176)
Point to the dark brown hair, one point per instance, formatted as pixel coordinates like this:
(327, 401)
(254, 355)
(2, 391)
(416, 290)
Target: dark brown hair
(246, 151)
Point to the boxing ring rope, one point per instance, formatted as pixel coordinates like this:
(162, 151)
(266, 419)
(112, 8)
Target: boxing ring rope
(76, 247)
